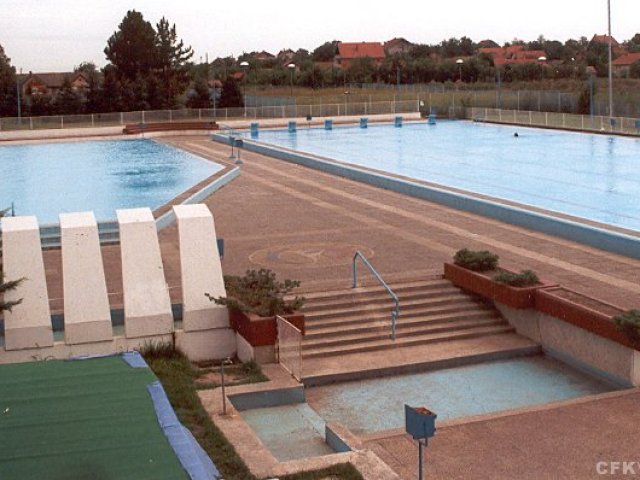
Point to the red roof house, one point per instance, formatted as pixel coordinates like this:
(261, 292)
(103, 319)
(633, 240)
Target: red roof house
(622, 65)
(348, 52)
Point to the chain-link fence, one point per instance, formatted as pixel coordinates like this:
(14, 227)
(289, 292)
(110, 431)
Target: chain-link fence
(568, 121)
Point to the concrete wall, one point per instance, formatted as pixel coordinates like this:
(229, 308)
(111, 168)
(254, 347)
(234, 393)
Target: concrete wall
(576, 346)
(148, 317)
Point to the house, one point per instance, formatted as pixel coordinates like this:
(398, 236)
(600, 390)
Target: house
(346, 53)
(616, 48)
(263, 56)
(285, 57)
(397, 46)
(51, 83)
(622, 65)
(513, 55)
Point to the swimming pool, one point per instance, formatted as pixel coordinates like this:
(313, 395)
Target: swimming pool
(595, 177)
(47, 179)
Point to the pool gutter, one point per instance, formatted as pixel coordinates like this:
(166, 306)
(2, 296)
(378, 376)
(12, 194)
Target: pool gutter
(601, 238)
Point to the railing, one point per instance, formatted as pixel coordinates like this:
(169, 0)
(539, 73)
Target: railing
(346, 108)
(396, 311)
(289, 347)
(587, 123)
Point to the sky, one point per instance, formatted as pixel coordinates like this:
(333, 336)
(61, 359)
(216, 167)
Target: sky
(55, 36)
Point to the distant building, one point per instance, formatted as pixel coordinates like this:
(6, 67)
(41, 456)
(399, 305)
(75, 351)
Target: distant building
(397, 46)
(616, 48)
(622, 65)
(346, 53)
(51, 83)
(263, 56)
(285, 57)
(513, 55)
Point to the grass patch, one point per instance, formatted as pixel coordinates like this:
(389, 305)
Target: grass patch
(178, 376)
(343, 471)
(179, 379)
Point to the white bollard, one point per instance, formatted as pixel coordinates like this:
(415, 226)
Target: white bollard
(87, 316)
(147, 306)
(28, 325)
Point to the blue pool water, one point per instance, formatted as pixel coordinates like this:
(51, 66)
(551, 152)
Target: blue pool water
(596, 177)
(102, 176)
(378, 404)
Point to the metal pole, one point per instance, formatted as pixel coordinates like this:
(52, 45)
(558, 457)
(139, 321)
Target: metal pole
(19, 101)
(591, 105)
(224, 398)
(420, 455)
(610, 61)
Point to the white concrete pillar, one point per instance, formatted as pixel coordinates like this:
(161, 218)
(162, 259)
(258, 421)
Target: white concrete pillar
(87, 316)
(28, 325)
(200, 269)
(147, 307)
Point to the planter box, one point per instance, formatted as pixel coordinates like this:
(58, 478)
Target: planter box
(261, 331)
(584, 312)
(481, 283)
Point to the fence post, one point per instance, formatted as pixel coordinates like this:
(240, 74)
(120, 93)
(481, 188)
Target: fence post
(30, 123)
(93, 123)
(121, 118)
(582, 122)
(530, 118)
(143, 116)
(546, 119)
(61, 121)
(199, 114)
(170, 116)
(563, 120)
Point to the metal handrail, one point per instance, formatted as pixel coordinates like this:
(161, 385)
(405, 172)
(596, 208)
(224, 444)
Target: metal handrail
(396, 311)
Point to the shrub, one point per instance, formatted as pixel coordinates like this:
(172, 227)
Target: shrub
(259, 292)
(478, 261)
(629, 323)
(526, 278)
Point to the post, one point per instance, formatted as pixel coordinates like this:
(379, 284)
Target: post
(610, 61)
(420, 457)
(19, 101)
(224, 397)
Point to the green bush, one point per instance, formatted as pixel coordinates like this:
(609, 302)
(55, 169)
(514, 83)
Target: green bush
(259, 292)
(526, 278)
(478, 261)
(629, 323)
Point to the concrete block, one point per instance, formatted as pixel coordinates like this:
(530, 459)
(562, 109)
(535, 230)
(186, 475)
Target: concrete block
(200, 269)
(247, 352)
(28, 325)
(525, 321)
(598, 353)
(214, 344)
(87, 316)
(147, 306)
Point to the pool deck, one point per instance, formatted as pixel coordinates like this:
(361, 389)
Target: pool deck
(306, 224)
(563, 440)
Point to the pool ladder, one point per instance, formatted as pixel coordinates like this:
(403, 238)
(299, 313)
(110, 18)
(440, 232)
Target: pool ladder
(396, 311)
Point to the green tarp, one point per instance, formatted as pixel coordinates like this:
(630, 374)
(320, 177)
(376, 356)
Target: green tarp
(87, 419)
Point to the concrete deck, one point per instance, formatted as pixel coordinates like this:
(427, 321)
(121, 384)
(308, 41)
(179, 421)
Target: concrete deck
(562, 441)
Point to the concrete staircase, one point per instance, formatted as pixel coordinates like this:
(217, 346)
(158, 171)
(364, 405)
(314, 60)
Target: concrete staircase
(432, 310)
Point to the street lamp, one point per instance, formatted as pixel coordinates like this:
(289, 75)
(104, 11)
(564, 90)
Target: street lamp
(245, 67)
(460, 62)
(610, 60)
(292, 68)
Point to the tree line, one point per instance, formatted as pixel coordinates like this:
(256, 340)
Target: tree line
(150, 68)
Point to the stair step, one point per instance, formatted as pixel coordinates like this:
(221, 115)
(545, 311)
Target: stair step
(322, 287)
(381, 297)
(320, 297)
(440, 299)
(406, 311)
(375, 345)
(382, 331)
(328, 331)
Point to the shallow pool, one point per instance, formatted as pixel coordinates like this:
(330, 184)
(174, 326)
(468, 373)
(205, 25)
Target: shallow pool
(378, 404)
(47, 179)
(596, 177)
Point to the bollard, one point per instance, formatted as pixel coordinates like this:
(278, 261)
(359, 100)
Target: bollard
(292, 127)
(398, 122)
(328, 124)
(363, 122)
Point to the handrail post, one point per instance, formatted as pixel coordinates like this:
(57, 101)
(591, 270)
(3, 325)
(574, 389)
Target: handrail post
(396, 311)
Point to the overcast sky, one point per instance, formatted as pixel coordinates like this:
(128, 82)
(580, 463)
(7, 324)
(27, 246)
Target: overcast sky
(46, 35)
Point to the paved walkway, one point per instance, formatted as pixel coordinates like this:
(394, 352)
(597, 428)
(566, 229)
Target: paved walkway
(549, 442)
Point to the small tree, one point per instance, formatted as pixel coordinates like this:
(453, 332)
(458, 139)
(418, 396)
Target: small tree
(231, 95)
(201, 97)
